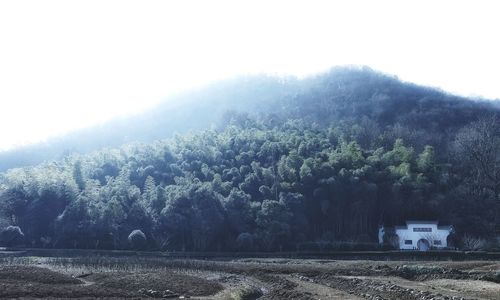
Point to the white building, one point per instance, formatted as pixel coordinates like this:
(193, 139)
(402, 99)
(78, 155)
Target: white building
(420, 235)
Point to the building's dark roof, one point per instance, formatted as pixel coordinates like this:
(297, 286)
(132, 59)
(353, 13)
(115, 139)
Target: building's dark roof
(420, 222)
(408, 222)
(444, 227)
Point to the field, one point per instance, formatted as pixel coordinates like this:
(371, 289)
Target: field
(142, 277)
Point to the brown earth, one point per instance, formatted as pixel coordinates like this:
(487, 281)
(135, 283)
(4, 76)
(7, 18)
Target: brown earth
(159, 281)
(37, 282)
(149, 277)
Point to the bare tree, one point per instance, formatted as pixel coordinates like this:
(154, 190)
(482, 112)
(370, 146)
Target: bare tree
(478, 151)
(478, 146)
(473, 243)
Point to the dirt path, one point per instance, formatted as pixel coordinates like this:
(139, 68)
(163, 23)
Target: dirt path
(440, 288)
(472, 289)
(236, 286)
(319, 291)
(479, 288)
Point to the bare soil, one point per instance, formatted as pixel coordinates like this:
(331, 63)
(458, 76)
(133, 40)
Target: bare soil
(37, 282)
(147, 277)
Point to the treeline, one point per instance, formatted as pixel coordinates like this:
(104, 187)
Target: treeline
(255, 186)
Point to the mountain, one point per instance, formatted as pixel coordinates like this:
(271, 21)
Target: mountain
(346, 95)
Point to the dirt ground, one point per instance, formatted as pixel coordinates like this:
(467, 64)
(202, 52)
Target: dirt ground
(147, 277)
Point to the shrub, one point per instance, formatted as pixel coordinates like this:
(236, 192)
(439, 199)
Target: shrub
(391, 240)
(473, 243)
(12, 236)
(245, 242)
(137, 240)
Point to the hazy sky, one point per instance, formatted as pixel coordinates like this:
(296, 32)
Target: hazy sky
(67, 64)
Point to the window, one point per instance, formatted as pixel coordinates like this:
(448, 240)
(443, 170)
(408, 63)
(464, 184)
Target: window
(437, 242)
(408, 242)
(422, 229)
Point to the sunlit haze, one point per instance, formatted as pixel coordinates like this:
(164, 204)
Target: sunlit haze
(70, 64)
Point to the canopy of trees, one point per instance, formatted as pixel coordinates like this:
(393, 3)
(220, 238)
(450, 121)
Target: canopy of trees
(270, 188)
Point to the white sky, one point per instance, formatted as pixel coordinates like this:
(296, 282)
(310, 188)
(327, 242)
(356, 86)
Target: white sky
(68, 64)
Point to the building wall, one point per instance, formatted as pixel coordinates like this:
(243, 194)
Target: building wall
(414, 232)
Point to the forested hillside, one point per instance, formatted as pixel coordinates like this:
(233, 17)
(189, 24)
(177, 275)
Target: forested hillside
(350, 96)
(317, 161)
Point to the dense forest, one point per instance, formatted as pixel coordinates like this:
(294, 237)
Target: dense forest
(286, 164)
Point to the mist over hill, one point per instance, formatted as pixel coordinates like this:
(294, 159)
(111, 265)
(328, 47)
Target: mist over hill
(264, 163)
(344, 95)
(188, 111)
